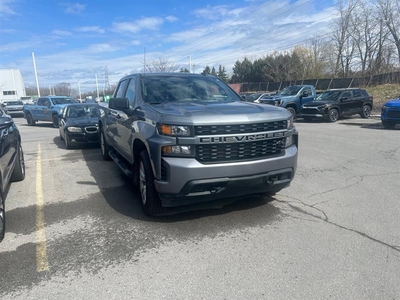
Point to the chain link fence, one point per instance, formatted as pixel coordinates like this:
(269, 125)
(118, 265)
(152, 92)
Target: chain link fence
(320, 84)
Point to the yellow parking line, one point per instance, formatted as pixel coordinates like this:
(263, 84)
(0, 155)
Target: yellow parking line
(41, 248)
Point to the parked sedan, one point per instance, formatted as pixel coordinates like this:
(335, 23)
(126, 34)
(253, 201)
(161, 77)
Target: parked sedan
(12, 164)
(79, 124)
(390, 115)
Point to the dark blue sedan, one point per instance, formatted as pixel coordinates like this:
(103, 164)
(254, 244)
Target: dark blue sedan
(78, 124)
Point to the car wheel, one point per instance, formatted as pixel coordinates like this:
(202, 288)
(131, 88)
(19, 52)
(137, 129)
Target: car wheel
(388, 125)
(150, 200)
(291, 110)
(2, 218)
(55, 121)
(29, 120)
(104, 146)
(19, 170)
(366, 111)
(333, 115)
(67, 142)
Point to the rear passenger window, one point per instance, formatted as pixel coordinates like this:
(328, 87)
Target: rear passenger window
(121, 89)
(357, 93)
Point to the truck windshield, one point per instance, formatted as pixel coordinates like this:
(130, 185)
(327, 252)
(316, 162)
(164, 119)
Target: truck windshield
(161, 89)
(289, 91)
(57, 101)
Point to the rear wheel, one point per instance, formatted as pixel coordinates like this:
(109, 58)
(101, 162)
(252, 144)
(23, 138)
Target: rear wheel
(333, 115)
(388, 124)
(29, 120)
(104, 146)
(150, 200)
(366, 111)
(19, 170)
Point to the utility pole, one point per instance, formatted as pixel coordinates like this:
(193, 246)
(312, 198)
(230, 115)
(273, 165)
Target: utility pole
(34, 68)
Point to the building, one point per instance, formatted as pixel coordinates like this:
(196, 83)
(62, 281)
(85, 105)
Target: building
(12, 85)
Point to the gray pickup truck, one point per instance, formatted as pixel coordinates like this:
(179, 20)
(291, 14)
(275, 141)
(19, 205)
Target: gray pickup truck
(187, 138)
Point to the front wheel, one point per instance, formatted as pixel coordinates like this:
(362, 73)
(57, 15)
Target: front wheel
(291, 110)
(150, 200)
(333, 115)
(104, 146)
(55, 121)
(366, 111)
(67, 142)
(19, 169)
(2, 218)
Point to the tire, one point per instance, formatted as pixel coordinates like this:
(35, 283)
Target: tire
(366, 112)
(55, 121)
(333, 115)
(29, 120)
(149, 199)
(61, 138)
(19, 169)
(2, 218)
(291, 110)
(104, 146)
(388, 124)
(67, 142)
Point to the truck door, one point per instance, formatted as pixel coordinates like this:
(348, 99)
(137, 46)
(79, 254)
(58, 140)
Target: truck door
(38, 111)
(125, 123)
(306, 95)
(113, 119)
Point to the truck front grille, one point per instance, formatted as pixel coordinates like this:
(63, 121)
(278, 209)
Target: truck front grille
(216, 153)
(393, 114)
(240, 128)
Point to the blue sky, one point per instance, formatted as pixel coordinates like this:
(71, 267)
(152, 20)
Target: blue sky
(73, 41)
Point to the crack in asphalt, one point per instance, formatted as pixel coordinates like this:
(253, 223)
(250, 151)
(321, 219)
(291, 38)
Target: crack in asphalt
(326, 219)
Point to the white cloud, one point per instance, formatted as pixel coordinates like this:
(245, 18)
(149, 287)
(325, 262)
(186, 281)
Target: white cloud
(216, 12)
(61, 33)
(171, 18)
(139, 25)
(95, 29)
(74, 8)
(5, 8)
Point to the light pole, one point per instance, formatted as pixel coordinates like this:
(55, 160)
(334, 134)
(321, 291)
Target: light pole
(97, 87)
(34, 68)
(190, 63)
(79, 90)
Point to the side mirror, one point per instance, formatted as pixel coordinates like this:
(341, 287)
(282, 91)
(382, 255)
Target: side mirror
(119, 103)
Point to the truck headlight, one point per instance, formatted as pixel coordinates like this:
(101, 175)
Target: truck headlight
(74, 129)
(186, 151)
(175, 130)
(290, 123)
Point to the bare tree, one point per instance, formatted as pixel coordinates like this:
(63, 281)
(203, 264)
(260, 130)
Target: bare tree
(160, 65)
(390, 11)
(342, 39)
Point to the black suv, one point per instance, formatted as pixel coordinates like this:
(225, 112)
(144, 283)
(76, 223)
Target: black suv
(332, 104)
(12, 164)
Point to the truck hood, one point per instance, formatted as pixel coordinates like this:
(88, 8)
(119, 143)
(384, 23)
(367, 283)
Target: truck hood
(279, 97)
(218, 113)
(393, 103)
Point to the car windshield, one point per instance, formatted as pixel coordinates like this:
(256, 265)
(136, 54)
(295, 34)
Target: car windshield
(65, 100)
(328, 96)
(289, 91)
(83, 111)
(161, 89)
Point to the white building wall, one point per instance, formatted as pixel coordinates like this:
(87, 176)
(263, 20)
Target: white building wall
(12, 85)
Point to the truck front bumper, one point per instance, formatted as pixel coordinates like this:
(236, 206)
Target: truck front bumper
(191, 182)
